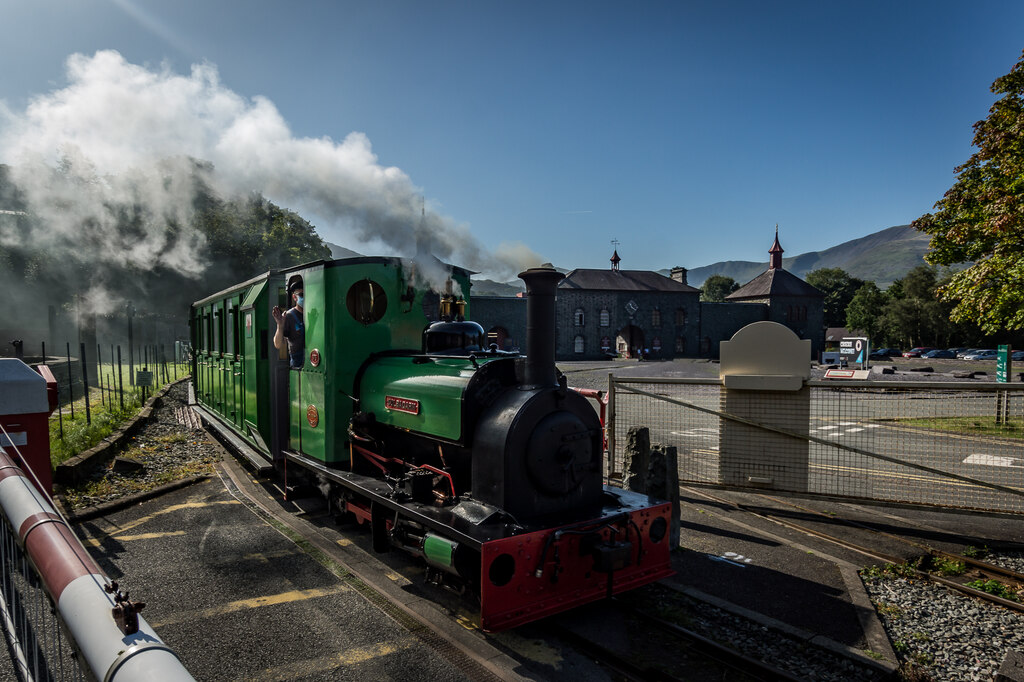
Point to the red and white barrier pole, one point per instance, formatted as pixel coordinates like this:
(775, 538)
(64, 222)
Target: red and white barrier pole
(77, 586)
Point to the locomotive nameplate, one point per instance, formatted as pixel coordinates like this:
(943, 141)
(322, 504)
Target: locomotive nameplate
(407, 405)
(312, 416)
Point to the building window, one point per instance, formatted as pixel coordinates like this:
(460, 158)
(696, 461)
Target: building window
(578, 346)
(803, 313)
(680, 317)
(680, 344)
(605, 317)
(656, 344)
(606, 344)
(577, 317)
(656, 318)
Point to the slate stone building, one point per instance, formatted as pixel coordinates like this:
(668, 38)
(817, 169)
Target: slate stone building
(602, 313)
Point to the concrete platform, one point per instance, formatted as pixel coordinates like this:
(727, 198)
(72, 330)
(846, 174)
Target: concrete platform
(237, 599)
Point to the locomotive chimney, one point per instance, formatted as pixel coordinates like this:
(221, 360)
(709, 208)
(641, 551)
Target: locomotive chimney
(540, 325)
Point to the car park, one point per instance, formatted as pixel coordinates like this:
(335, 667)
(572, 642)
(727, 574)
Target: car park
(939, 353)
(917, 352)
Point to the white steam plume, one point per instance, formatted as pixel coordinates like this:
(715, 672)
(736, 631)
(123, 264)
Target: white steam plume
(122, 134)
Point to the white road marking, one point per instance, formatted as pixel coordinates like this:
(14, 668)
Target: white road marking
(994, 461)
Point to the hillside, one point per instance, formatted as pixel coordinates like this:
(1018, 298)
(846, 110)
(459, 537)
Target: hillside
(881, 257)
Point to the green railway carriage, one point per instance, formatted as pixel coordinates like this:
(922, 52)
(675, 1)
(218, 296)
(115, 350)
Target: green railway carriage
(353, 307)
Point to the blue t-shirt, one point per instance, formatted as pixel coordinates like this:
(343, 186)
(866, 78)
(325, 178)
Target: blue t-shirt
(295, 333)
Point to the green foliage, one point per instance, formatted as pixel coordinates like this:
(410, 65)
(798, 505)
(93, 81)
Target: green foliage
(839, 288)
(946, 566)
(864, 311)
(980, 220)
(994, 587)
(717, 287)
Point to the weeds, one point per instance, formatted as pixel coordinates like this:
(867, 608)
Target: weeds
(994, 587)
(946, 566)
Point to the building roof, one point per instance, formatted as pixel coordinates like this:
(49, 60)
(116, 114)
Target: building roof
(774, 282)
(623, 280)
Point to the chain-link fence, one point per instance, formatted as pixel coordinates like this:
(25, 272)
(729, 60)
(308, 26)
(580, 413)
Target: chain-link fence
(950, 444)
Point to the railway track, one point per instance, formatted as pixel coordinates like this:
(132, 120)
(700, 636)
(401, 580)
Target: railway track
(685, 652)
(932, 557)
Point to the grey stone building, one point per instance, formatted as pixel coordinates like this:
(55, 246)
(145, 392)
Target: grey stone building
(626, 313)
(601, 313)
(789, 300)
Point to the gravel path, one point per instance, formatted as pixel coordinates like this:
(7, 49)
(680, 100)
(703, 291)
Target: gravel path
(163, 451)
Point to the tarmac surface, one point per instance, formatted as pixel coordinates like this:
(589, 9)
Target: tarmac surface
(239, 599)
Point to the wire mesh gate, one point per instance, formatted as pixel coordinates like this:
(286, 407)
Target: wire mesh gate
(950, 444)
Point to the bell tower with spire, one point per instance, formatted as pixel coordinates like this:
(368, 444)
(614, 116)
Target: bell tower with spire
(775, 253)
(615, 255)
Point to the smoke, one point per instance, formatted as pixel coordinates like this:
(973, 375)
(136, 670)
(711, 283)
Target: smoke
(121, 139)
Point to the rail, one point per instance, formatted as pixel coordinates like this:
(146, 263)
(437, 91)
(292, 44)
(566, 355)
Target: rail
(63, 618)
(949, 444)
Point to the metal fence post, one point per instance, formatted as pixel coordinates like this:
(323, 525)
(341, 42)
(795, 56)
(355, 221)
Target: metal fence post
(610, 424)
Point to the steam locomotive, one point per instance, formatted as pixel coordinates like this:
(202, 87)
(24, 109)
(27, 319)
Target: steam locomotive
(482, 462)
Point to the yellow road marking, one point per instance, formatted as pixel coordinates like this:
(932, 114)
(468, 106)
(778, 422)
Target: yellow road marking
(254, 603)
(96, 542)
(169, 510)
(319, 666)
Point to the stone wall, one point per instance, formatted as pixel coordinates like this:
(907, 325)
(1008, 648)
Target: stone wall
(719, 321)
(654, 319)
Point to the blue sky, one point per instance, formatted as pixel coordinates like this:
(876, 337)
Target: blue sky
(684, 130)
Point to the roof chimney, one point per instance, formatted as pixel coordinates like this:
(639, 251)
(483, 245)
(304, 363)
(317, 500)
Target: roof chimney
(775, 253)
(679, 275)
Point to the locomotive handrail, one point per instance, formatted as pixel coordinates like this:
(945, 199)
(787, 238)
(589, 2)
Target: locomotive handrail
(78, 588)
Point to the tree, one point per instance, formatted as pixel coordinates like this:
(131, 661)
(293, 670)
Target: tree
(865, 311)
(980, 220)
(717, 287)
(838, 287)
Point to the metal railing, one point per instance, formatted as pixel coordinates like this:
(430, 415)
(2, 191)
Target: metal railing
(63, 618)
(952, 444)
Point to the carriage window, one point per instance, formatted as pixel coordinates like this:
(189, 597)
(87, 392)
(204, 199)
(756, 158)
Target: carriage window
(231, 324)
(366, 301)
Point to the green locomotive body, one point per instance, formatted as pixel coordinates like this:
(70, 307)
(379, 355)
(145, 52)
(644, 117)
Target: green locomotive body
(483, 463)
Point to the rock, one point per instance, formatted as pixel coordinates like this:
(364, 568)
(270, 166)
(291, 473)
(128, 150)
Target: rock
(126, 466)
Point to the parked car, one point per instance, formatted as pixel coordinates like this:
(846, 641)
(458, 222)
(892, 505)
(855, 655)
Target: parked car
(986, 354)
(960, 349)
(917, 352)
(1017, 355)
(939, 353)
(884, 353)
(967, 351)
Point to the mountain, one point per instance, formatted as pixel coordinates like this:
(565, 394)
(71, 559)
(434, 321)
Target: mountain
(881, 257)
(487, 287)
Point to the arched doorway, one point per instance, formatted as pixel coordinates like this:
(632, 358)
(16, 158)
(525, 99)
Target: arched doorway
(499, 336)
(629, 341)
